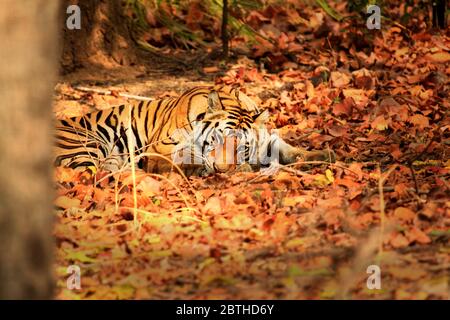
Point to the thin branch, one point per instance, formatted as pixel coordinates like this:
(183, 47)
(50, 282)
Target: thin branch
(109, 92)
(381, 180)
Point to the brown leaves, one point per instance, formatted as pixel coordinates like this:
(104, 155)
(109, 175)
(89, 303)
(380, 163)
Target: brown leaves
(239, 221)
(418, 236)
(439, 57)
(213, 206)
(420, 121)
(339, 79)
(212, 69)
(380, 123)
(409, 237)
(404, 215)
(344, 107)
(67, 202)
(398, 241)
(149, 187)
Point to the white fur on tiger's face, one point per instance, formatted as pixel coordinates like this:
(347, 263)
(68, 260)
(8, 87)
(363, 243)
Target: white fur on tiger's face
(205, 130)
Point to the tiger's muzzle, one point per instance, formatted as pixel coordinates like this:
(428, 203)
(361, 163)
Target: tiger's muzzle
(224, 155)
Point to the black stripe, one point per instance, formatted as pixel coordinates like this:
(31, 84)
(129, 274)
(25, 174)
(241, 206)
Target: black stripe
(113, 127)
(122, 140)
(136, 135)
(140, 108)
(168, 143)
(235, 113)
(146, 125)
(79, 145)
(67, 139)
(156, 112)
(86, 124)
(207, 123)
(104, 132)
(81, 164)
(108, 119)
(65, 123)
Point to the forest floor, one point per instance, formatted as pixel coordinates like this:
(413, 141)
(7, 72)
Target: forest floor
(305, 232)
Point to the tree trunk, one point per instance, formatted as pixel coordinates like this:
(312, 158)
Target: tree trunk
(439, 13)
(225, 29)
(28, 36)
(104, 39)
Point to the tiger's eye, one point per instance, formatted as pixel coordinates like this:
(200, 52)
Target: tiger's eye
(200, 117)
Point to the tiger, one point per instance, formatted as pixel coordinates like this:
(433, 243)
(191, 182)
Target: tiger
(206, 130)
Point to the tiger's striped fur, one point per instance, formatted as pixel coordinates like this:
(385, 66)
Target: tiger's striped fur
(196, 123)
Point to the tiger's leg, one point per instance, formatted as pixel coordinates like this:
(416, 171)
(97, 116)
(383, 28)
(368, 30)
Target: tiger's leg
(244, 167)
(290, 154)
(157, 165)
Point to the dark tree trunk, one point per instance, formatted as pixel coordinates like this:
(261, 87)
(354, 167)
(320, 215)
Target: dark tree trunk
(225, 29)
(439, 11)
(28, 64)
(104, 39)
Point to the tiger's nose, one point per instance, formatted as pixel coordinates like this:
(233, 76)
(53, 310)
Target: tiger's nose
(222, 167)
(223, 161)
(224, 155)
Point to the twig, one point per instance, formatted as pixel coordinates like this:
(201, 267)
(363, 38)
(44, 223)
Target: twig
(321, 162)
(381, 181)
(109, 92)
(146, 46)
(411, 161)
(416, 186)
(133, 168)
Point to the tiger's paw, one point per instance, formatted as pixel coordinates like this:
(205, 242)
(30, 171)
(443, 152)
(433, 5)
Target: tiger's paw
(319, 155)
(244, 167)
(272, 169)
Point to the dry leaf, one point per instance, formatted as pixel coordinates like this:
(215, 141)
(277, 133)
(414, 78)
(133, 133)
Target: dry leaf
(439, 57)
(67, 202)
(339, 79)
(404, 215)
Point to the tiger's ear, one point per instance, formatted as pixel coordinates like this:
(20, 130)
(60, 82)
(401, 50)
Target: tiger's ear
(261, 118)
(214, 103)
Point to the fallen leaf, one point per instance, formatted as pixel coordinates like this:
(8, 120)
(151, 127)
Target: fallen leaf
(339, 79)
(417, 235)
(380, 123)
(404, 214)
(398, 240)
(407, 273)
(210, 69)
(439, 57)
(420, 121)
(149, 187)
(213, 205)
(67, 202)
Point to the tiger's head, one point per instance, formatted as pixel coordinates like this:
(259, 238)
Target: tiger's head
(224, 135)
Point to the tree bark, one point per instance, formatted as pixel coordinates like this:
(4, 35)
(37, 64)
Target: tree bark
(439, 13)
(104, 39)
(225, 29)
(28, 64)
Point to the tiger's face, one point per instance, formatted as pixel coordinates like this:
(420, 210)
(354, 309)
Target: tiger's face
(225, 135)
